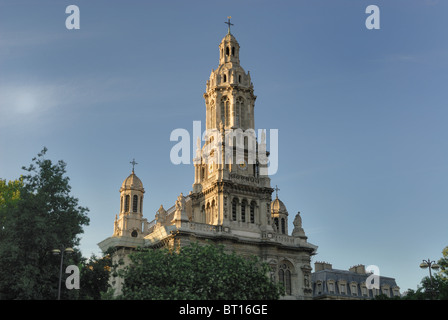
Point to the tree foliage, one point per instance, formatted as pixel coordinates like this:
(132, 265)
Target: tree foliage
(435, 289)
(94, 277)
(196, 272)
(38, 214)
(9, 194)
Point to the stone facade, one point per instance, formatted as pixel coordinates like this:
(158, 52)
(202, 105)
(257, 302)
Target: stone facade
(231, 198)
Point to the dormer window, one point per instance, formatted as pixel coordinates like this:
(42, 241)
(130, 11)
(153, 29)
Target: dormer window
(330, 286)
(319, 287)
(364, 291)
(354, 289)
(386, 290)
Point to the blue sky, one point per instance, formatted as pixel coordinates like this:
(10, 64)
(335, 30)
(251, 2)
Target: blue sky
(361, 113)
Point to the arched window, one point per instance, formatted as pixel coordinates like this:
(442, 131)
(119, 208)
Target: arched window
(225, 112)
(288, 282)
(233, 51)
(126, 203)
(284, 277)
(243, 211)
(141, 204)
(207, 213)
(134, 203)
(225, 78)
(281, 277)
(239, 111)
(239, 78)
(252, 212)
(234, 204)
(227, 51)
(276, 223)
(283, 226)
(237, 115)
(212, 212)
(134, 234)
(212, 115)
(121, 204)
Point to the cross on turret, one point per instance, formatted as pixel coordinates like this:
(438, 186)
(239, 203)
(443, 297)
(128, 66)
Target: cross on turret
(276, 191)
(133, 164)
(228, 23)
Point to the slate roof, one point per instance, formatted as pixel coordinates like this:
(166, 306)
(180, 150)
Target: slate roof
(350, 277)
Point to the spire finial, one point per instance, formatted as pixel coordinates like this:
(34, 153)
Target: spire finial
(276, 191)
(133, 164)
(228, 23)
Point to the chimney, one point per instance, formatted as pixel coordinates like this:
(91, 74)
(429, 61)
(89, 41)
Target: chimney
(360, 269)
(319, 266)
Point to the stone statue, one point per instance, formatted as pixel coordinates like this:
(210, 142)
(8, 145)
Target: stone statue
(307, 280)
(181, 209)
(180, 202)
(297, 221)
(298, 230)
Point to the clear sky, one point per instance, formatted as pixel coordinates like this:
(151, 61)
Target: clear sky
(362, 114)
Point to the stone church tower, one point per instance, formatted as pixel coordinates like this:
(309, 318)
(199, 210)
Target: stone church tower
(231, 198)
(130, 219)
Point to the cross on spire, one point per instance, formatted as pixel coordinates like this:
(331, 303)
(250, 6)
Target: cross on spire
(133, 164)
(276, 191)
(228, 23)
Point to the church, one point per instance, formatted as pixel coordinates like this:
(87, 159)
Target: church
(231, 201)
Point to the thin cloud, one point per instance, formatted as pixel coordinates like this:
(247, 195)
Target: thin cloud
(34, 102)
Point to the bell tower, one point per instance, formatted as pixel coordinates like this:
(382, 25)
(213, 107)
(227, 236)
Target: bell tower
(228, 188)
(130, 220)
(229, 96)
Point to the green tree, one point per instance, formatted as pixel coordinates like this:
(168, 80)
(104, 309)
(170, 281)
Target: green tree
(197, 272)
(427, 290)
(435, 289)
(9, 193)
(94, 277)
(41, 216)
(443, 263)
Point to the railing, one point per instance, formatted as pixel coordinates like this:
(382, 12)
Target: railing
(203, 227)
